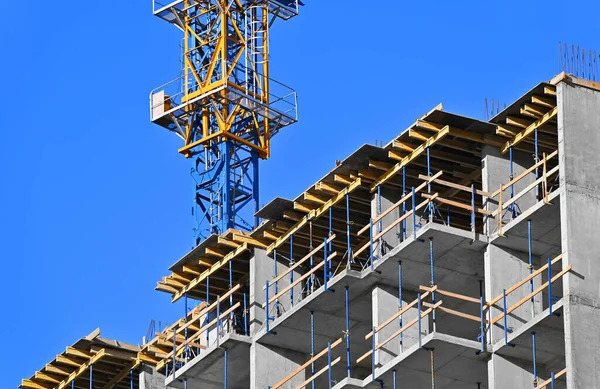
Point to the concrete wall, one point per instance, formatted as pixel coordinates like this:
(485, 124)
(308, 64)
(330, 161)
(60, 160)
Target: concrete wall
(392, 238)
(150, 378)
(579, 142)
(506, 373)
(503, 269)
(269, 365)
(261, 270)
(385, 304)
(496, 172)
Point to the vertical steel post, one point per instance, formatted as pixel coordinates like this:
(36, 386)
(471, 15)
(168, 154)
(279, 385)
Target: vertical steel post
(552, 380)
(394, 378)
(535, 158)
(430, 204)
(371, 256)
(291, 273)
(325, 265)
(73, 384)
(312, 347)
(175, 349)
(267, 318)
(414, 214)
(349, 250)
(481, 318)
(330, 225)
(549, 287)
(91, 376)
(512, 186)
(432, 369)
(245, 313)
(218, 318)
(530, 258)
(419, 316)
(185, 307)
(473, 208)
(504, 314)
(400, 303)
(448, 216)
(329, 365)
(380, 223)
(348, 330)
(207, 303)
(432, 283)
(225, 370)
(276, 286)
(131, 379)
(534, 359)
(404, 202)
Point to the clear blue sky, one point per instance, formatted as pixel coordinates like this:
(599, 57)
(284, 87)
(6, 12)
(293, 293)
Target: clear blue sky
(95, 200)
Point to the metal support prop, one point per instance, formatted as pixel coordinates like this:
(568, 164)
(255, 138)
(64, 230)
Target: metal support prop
(535, 159)
(481, 317)
(448, 215)
(291, 273)
(380, 223)
(473, 210)
(400, 303)
(349, 249)
(311, 279)
(73, 384)
(512, 186)
(432, 369)
(371, 256)
(404, 202)
(267, 317)
(225, 370)
(207, 320)
(348, 330)
(552, 380)
(534, 360)
(218, 318)
(131, 379)
(330, 225)
(325, 265)
(312, 347)
(414, 214)
(275, 284)
(91, 376)
(394, 378)
(430, 205)
(329, 365)
(504, 317)
(245, 313)
(432, 283)
(530, 257)
(185, 308)
(419, 317)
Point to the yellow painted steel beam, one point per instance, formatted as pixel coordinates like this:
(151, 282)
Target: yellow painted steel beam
(315, 213)
(529, 130)
(410, 157)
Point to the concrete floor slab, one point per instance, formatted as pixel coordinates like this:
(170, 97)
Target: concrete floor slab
(207, 370)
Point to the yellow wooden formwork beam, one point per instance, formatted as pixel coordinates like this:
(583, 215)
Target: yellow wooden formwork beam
(26, 383)
(122, 374)
(529, 130)
(82, 369)
(410, 157)
(233, 254)
(315, 213)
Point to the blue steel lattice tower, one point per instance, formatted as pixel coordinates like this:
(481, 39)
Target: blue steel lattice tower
(224, 106)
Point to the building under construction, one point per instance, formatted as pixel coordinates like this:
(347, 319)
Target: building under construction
(459, 255)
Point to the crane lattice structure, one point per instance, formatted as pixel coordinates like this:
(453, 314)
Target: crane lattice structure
(224, 105)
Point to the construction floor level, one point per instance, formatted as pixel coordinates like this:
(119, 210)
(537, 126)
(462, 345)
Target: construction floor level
(463, 254)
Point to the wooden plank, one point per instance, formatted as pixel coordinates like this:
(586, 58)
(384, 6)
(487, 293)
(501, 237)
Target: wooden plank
(523, 281)
(306, 364)
(313, 214)
(549, 91)
(428, 179)
(409, 158)
(451, 294)
(524, 173)
(544, 101)
(250, 240)
(456, 186)
(82, 368)
(301, 261)
(456, 204)
(26, 383)
(526, 189)
(549, 380)
(210, 271)
(317, 374)
(529, 129)
(532, 294)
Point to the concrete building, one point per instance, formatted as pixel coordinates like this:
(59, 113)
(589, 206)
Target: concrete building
(460, 255)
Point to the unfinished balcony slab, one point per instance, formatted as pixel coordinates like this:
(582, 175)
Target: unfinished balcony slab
(458, 260)
(545, 229)
(207, 370)
(456, 364)
(291, 330)
(550, 342)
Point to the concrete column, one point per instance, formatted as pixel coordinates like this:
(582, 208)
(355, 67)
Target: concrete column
(261, 270)
(388, 197)
(503, 269)
(496, 172)
(150, 378)
(506, 372)
(385, 304)
(269, 365)
(579, 142)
